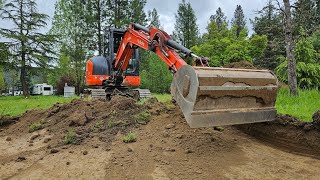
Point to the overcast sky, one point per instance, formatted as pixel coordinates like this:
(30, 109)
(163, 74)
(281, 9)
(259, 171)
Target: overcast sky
(167, 8)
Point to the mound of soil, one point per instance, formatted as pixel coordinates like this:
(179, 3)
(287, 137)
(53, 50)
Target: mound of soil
(289, 133)
(87, 119)
(241, 65)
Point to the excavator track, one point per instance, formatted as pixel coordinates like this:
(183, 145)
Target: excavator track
(211, 96)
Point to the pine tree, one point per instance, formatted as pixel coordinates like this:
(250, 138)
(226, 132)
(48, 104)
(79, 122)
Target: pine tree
(269, 22)
(220, 19)
(27, 45)
(304, 16)
(136, 13)
(186, 28)
(95, 14)
(238, 21)
(153, 19)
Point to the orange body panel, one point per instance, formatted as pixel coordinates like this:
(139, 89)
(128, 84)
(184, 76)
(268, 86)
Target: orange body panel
(132, 81)
(93, 80)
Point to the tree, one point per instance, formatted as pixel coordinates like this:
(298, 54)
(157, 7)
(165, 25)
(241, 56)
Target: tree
(70, 23)
(220, 19)
(95, 16)
(238, 21)
(304, 16)
(122, 12)
(27, 45)
(222, 47)
(2, 82)
(186, 28)
(292, 74)
(153, 19)
(269, 22)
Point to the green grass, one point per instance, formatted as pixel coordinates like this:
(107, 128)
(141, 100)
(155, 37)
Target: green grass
(70, 137)
(36, 126)
(16, 105)
(163, 97)
(143, 117)
(130, 137)
(302, 106)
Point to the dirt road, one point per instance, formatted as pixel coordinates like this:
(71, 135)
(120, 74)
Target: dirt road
(166, 148)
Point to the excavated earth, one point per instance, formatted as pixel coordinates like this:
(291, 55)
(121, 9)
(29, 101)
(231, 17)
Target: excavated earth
(165, 148)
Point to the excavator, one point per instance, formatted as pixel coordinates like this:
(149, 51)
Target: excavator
(207, 96)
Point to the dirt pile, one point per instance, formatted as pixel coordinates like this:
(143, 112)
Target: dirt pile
(241, 64)
(289, 133)
(74, 122)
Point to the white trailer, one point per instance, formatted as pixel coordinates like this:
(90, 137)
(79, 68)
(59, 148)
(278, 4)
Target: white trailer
(42, 89)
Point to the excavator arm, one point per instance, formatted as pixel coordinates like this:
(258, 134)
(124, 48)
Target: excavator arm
(207, 96)
(149, 39)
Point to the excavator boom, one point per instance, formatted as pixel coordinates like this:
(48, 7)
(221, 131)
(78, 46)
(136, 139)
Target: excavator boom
(207, 96)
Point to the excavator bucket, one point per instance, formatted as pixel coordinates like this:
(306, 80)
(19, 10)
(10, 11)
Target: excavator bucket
(211, 96)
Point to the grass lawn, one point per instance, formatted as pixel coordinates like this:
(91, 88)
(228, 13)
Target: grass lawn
(162, 97)
(16, 105)
(302, 107)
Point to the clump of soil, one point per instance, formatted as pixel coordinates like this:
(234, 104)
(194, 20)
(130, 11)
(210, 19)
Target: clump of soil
(316, 119)
(288, 132)
(79, 120)
(241, 64)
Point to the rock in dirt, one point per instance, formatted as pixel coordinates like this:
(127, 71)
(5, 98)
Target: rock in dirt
(188, 151)
(129, 149)
(53, 151)
(179, 136)
(170, 126)
(68, 163)
(21, 158)
(33, 137)
(85, 152)
(8, 138)
(170, 149)
(46, 140)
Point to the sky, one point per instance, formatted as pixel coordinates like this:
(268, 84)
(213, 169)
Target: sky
(167, 9)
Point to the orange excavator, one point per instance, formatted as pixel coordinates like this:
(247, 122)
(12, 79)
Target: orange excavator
(207, 96)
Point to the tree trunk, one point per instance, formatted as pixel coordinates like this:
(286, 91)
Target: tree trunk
(99, 28)
(23, 73)
(292, 75)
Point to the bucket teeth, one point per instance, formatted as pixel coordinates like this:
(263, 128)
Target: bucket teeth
(222, 96)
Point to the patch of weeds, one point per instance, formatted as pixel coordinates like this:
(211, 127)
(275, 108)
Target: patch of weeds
(97, 126)
(36, 126)
(70, 137)
(143, 117)
(130, 137)
(169, 106)
(111, 123)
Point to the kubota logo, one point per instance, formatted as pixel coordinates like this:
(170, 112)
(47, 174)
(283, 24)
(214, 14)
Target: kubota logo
(140, 42)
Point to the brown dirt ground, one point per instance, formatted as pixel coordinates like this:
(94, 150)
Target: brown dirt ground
(241, 64)
(166, 148)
